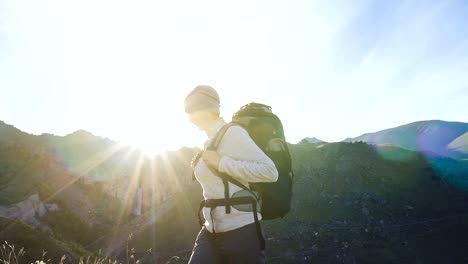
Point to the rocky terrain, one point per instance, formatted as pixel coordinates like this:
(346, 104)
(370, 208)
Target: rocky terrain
(353, 202)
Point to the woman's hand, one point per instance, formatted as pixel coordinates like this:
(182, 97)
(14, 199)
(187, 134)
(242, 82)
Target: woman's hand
(211, 158)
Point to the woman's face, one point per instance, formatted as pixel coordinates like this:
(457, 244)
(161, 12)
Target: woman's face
(202, 119)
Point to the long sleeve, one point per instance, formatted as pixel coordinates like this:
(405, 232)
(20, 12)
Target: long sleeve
(243, 159)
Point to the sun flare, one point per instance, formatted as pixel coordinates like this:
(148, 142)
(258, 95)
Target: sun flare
(162, 136)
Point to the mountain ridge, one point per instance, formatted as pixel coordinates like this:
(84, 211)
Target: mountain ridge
(350, 200)
(455, 146)
(437, 136)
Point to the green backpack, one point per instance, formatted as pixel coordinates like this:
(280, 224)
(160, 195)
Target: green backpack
(266, 130)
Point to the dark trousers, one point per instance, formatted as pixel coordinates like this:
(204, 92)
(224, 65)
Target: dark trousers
(241, 245)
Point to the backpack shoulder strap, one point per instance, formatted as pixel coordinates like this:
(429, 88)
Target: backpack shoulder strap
(226, 177)
(219, 136)
(213, 146)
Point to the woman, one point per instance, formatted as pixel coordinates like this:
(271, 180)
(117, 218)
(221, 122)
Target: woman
(227, 236)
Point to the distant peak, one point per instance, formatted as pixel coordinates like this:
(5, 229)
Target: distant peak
(80, 132)
(47, 135)
(311, 140)
(81, 135)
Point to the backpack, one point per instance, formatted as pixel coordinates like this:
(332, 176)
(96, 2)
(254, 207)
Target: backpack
(266, 130)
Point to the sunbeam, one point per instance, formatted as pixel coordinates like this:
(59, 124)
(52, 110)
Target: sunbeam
(86, 166)
(174, 181)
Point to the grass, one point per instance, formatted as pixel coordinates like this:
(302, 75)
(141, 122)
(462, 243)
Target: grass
(9, 255)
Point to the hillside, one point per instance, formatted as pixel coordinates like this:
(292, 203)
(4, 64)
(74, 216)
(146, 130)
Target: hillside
(353, 202)
(37, 240)
(435, 136)
(79, 212)
(91, 181)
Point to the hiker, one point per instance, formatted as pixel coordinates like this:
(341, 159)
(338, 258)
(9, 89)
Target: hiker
(229, 234)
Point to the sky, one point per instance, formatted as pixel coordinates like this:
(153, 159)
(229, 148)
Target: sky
(330, 69)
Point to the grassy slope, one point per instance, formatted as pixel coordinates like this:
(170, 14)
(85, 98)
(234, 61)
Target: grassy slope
(36, 240)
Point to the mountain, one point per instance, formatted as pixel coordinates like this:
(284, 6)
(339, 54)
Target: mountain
(38, 193)
(460, 144)
(83, 186)
(310, 140)
(438, 137)
(352, 202)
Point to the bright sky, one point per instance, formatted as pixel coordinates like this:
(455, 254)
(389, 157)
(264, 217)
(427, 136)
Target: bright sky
(329, 69)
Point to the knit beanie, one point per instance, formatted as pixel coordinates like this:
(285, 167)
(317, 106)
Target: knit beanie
(202, 98)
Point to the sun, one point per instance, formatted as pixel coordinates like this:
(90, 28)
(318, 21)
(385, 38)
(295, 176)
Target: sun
(151, 145)
(157, 138)
(152, 150)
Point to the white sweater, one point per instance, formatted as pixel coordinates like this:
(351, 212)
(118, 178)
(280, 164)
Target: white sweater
(242, 159)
